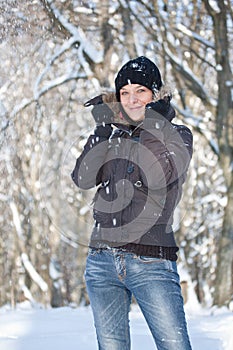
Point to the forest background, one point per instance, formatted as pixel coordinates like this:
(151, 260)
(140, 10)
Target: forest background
(54, 56)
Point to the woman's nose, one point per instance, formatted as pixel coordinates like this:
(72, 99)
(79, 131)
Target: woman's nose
(133, 98)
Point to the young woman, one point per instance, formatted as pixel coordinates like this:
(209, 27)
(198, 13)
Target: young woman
(138, 160)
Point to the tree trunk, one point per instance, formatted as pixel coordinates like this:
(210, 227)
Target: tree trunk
(224, 271)
(224, 122)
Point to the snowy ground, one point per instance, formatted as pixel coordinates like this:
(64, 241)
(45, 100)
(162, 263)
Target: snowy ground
(29, 328)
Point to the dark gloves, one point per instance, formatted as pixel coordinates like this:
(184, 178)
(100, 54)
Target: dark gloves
(161, 107)
(101, 113)
(103, 131)
(158, 113)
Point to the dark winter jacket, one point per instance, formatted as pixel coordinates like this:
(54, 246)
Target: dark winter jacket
(139, 172)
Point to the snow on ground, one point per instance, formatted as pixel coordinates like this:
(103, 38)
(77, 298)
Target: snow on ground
(27, 328)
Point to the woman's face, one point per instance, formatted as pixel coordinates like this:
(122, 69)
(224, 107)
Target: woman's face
(134, 98)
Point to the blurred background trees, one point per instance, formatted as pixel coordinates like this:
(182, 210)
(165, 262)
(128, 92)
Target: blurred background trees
(57, 54)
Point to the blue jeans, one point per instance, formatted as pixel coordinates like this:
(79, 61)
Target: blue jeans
(112, 276)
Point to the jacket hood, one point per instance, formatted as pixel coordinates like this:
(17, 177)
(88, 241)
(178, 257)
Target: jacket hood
(120, 117)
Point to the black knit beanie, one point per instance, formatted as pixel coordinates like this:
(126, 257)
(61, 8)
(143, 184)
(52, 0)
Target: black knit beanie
(141, 71)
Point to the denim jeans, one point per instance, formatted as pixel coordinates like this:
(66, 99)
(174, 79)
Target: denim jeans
(112, 276)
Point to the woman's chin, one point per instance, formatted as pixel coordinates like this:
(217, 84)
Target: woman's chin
(136, 118)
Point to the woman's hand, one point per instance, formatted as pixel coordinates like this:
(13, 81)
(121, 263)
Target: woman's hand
(160, 108)
(101, 113)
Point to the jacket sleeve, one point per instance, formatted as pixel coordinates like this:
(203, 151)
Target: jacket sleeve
(86, 173)
(165, 152)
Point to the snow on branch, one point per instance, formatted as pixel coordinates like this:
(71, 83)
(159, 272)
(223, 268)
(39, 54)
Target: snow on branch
(33, 273)
(57, 82)
(49, 86)
(66, 46)
(191, 34)
(24, 257)
(196, 85)
(196, 123)
(3, 197)
(212, 7)
(77, 36)
(4, 122)
(16, 221)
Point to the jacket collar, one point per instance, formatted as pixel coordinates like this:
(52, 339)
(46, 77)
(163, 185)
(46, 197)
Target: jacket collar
(129, 129)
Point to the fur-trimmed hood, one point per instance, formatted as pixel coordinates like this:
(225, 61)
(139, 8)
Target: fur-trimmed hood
(109, 98)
